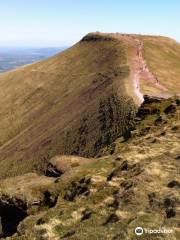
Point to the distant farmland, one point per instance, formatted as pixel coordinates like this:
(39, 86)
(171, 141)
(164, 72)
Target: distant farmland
(11, 58)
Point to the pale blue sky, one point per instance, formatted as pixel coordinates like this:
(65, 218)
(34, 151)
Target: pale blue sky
(63, 22)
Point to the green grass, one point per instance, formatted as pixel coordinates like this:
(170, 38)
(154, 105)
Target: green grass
(163, 59)
(159, 166)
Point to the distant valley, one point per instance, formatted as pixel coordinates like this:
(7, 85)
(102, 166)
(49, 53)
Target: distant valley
(13, 57)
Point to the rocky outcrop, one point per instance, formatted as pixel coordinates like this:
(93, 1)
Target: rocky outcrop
(12, 212)
(77, 189)
(170, 109)
(22, 196)
(151, 99)
(58, 165)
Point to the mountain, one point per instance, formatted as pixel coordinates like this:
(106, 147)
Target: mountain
(81, 99)
(89, 141)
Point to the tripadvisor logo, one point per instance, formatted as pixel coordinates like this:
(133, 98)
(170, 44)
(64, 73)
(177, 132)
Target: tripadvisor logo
(139, 231)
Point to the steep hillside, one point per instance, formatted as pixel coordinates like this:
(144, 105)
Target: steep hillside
(71, 103)
(135, 182)
(81, 100)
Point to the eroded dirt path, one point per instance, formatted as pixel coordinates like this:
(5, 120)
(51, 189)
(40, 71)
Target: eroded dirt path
(144, 70)
(138, 66)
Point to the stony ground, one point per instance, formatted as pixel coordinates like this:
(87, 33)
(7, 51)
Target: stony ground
(133, 182)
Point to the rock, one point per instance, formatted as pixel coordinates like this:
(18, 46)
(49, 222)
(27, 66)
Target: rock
(153, 200)
(51, 171)
(40, 221)
(96, 38)
(60, 164)
(170, 212)
(143, 112)
(173, 184)
(118, 158)
(111, 219)
(127, 134)
(154, 140)
(86, 214)
(158, 120)
(135, 169)
(127, 184)
(168, 202)
(127, 195)
(170, 109)
(116, 161)
(124, 215)
(12, 212)
(155, 111)
(49, 199)
(22, 196)
(77, 188)
(122, 167)
(177, 157)
(68, 234)
(115, 203)
(163, 133)
(175, 128)
(144, 131)
(137, 119)
(178, 102)
(150, 99)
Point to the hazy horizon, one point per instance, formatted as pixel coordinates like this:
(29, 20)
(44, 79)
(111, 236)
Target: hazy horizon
(13, 57)
(56, 23)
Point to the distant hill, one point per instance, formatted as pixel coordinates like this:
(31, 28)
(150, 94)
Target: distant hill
(82, 99)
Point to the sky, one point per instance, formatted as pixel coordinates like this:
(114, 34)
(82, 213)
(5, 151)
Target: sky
(55, 23)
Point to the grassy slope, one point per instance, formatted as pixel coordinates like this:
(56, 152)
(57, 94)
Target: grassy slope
(163, 58)
(135, 196)
(75, 102)
(71, 103)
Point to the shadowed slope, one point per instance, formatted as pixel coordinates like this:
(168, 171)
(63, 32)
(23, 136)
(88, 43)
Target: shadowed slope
(73, 103)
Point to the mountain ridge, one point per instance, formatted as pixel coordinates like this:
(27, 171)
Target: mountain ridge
(81, 100)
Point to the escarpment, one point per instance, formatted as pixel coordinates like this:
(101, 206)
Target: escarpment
(81, 100)
(73, 103)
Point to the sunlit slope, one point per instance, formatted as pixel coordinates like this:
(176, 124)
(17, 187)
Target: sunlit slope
(162, 55)
(74, 102)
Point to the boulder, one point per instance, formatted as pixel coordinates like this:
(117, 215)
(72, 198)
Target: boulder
(151, 99)
(60, 164)
(170, 109)
(178, 102)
